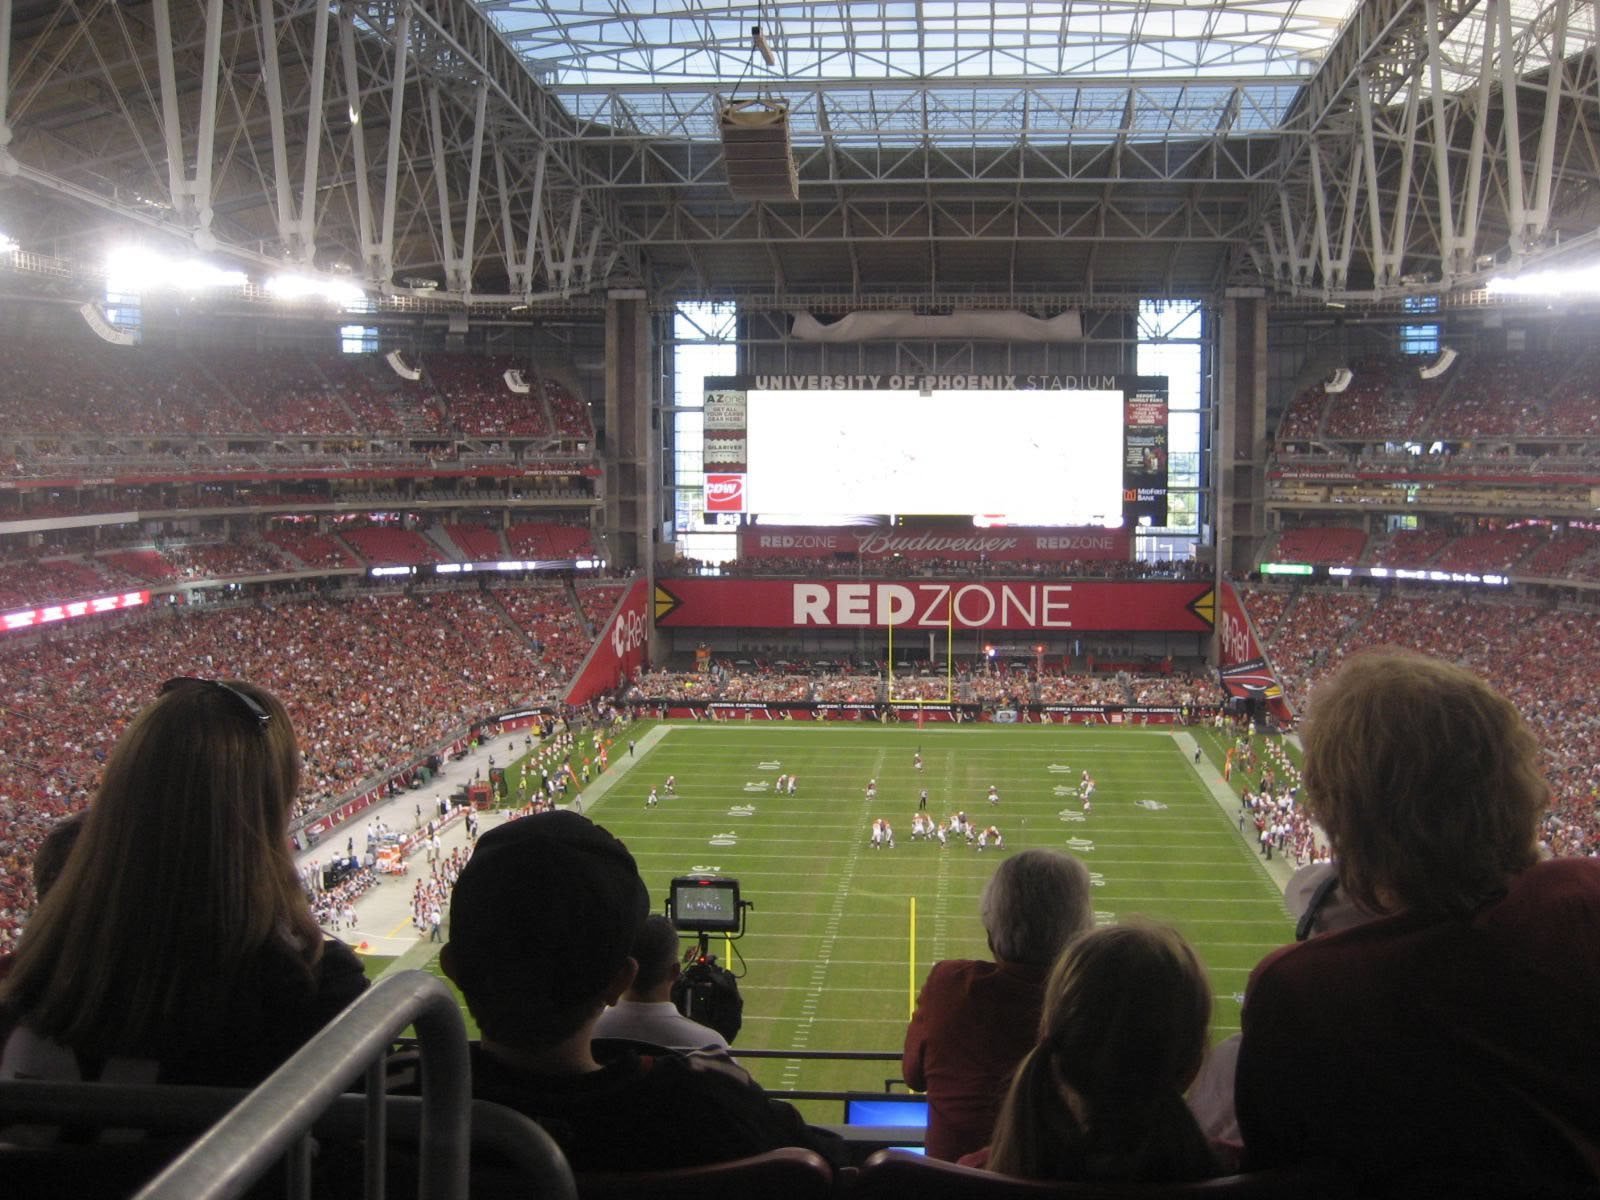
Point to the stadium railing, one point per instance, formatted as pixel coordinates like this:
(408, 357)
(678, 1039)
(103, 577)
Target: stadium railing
(277, 1119)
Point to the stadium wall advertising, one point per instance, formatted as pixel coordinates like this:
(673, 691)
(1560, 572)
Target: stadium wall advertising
(619, 651)
(927, 604)
(922, 541)
(1242, 663)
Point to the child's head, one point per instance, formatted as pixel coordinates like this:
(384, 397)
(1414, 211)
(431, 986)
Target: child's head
(1121, 1035)
(1126, 1009)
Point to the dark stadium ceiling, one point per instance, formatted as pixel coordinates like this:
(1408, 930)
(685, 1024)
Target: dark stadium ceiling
(1010, 152)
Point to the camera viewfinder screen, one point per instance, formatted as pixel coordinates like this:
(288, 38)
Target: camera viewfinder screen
(705, 905)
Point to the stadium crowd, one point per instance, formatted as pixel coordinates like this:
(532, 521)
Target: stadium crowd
(59, 393)
(371, 681)
(1544, 659)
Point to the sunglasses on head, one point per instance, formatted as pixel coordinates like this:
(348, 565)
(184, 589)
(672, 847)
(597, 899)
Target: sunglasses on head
(252, 707)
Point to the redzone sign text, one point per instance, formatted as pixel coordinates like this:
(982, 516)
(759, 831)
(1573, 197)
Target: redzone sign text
(933, 605)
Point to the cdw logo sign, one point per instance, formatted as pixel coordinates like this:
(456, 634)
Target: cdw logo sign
(724, 493)
(628, 633)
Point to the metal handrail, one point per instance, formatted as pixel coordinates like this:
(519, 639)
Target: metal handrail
(274, 1117)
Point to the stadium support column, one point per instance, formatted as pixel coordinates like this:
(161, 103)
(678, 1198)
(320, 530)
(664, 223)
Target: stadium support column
(631, 453)
(1240, 444)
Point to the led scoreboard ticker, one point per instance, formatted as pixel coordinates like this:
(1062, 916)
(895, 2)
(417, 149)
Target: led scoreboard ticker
(1082, 450)
(1406, 574)
(49, 614)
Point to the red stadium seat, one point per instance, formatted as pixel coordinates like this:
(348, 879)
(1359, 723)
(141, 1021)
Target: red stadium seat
(901, 1175)
(787, 1174)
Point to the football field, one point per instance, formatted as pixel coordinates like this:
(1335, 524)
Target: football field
(841, 934)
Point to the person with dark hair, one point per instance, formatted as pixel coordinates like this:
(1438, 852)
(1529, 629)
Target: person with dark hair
(646, 1012)
(543, 922)
(1100, 1096)
(177, 945)
(975, 1020)
(1454, 1035)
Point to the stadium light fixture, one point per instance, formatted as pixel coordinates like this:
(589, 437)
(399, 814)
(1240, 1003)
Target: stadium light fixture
(1580, 281)
(292, 287)
(8, 244)
(135, 269)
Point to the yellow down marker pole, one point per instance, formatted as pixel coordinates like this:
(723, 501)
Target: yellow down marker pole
(950, 651)
(889, 666)
(911, 956)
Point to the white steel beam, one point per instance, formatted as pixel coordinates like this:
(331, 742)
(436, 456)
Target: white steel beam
(391, 170)
(1511, 142)
(5, 74)
(171, 120)
(270, 77)
(469, 232)
(441, 183)
(1545, 167)
(205, 149)
(1454, 258)
(358, 147)
(314, 118)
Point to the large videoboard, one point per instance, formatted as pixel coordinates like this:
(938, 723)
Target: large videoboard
(1086, 450)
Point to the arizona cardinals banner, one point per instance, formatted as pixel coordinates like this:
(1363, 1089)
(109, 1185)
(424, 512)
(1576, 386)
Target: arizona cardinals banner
(933, 605)
(619, 651)
(1243, 665)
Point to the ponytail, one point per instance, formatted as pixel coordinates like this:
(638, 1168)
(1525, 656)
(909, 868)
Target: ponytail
(1037, 1135)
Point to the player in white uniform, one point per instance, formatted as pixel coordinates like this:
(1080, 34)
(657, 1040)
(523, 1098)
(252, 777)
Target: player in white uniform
(778, 786)
(652, 799)
(994, 794)
(872, 789)
(942, 834)
(917, 760)
(793, 783)
(671, 786)
(888, 834)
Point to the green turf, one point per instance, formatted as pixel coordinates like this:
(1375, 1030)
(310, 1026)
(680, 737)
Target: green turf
(829, 962)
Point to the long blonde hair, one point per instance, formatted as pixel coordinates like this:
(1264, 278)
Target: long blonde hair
(1122, 1034)
(181, 877)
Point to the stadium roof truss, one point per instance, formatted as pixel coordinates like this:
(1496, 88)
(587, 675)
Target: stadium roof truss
(997, 153)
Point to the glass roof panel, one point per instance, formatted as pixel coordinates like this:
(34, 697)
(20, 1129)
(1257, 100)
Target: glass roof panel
(612, 41)
(1195, 67)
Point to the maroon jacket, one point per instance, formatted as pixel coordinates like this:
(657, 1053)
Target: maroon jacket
(973, 1024)
(1424, 1047)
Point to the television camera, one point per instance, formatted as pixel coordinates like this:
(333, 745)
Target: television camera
(707, 992)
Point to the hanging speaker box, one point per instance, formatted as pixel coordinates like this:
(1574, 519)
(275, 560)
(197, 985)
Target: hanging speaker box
(756, 150)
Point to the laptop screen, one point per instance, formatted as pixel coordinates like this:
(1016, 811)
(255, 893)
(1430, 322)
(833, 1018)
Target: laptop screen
(909, 1112)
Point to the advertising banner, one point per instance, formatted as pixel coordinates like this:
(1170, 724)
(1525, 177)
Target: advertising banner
(1144, 462)
(922, 541)
(619, 652)
(1246, 672)
(1173, 607)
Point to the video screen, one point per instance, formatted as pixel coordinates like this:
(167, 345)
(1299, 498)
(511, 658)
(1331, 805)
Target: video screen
(1051, 458)
(704, 904)
(1084, 451)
